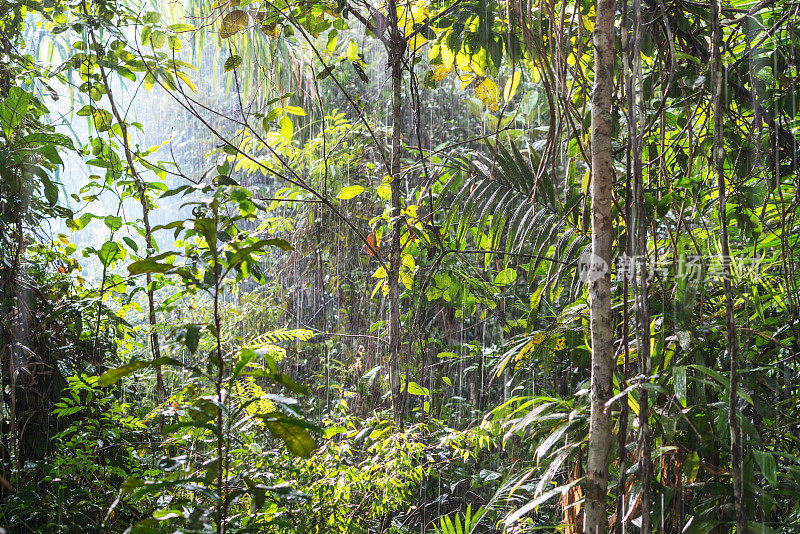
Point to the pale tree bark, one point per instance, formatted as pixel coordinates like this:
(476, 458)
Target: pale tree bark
(718, 157)
(594, 519)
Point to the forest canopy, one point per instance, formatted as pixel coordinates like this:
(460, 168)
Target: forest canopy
(429, 266)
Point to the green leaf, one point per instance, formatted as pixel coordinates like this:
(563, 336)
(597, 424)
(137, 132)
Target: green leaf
(157, 39)
(163, 515)
(180, 27)
(148, 265)
(234, 22)
(245, 357)
(232, 62)
(291, 431)
(113, 222)
(192, 337)
(46, 138)
(50, 191)
(110, 252)
(710, 372)
(113, 375)
(505, 277)
(349, 192)
(287, 128)
(769, 468)
(295, 110)
(131, 243)
(102, 119)
(241, 254)
(271, 116)
(416, 389)
(289, 383)
(13, 109)
(278, 242)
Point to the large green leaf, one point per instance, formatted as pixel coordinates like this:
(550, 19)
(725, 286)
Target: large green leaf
(293, 432)
(113, 375)
(13, 109)
(769, 468)
(148, 265)
(233, 23)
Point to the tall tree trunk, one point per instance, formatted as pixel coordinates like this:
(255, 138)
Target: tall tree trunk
(155, 347)
(718, 157)
(642, 306)
(622, 436)
(151, 301)
(594, 519)
(396, 50)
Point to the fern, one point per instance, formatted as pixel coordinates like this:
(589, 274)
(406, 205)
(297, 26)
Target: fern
(283, 335)
(248, 394)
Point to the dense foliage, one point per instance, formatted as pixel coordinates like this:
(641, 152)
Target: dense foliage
(327, 266)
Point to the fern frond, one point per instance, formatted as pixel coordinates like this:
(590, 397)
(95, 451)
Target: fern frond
(283, 335)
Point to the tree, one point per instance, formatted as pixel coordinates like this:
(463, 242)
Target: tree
(600, 439)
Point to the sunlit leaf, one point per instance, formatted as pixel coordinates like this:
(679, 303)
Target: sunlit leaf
(510, 88)
(295, 110)
(505, 277)
(349, 192)
(113, 375)
(291, 431)
(287, 128)
(234, 22)
(148, 266)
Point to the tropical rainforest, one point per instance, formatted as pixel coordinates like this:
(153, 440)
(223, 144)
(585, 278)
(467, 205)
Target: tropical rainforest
(400, 266)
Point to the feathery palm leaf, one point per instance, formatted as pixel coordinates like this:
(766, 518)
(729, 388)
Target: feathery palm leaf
(520, 208)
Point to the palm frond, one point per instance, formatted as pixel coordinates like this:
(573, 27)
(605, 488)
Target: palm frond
(519, 209)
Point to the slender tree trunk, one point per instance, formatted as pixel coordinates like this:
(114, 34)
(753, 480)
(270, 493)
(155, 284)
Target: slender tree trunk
(642, 306)
(594, 519)
(396, 50)
(151, 302)
(622, 437)
(718, 157)
(148, 234)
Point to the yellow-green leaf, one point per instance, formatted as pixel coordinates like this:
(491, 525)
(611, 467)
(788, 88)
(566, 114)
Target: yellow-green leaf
(157, 39)
(291, 431)
(180, 27)
(287, 128)
(510, 88)
(349, 192)
(352, 51)
(175, 43)
(295, 110)
(488, 92)
(505, 277)
(233, 23)
(188, 81)
(585, 182)
(385, 191)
